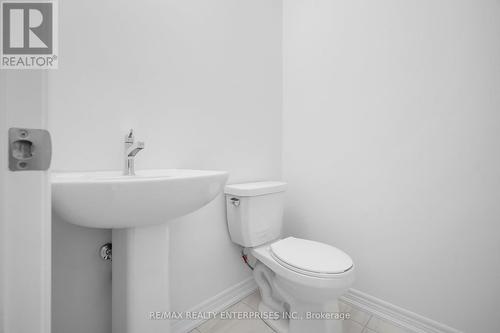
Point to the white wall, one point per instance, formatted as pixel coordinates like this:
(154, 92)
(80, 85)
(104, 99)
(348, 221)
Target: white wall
(200, 82)
(391, 147)
(81, 281)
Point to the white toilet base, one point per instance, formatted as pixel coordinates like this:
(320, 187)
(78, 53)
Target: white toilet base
(305, 308)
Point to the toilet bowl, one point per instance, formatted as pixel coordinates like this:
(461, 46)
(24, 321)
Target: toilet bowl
(299, 280)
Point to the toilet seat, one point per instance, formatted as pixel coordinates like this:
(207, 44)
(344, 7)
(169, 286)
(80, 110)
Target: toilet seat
(310, 258)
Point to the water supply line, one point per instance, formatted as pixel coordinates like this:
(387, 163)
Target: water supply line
(245, 258)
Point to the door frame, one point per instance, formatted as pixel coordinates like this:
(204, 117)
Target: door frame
(25, 211)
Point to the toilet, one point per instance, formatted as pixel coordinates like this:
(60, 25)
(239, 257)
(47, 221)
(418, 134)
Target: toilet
(299, 280)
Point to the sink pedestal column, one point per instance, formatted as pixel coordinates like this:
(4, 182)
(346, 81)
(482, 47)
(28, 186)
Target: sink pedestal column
(140, 279)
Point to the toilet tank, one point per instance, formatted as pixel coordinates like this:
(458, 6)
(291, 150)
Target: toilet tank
(255, 212)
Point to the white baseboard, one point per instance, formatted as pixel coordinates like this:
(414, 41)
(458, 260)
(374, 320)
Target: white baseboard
(382, 309)
(394, 314)
(217, 303)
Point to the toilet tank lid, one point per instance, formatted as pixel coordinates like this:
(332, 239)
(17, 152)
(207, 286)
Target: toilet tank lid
(254, 189)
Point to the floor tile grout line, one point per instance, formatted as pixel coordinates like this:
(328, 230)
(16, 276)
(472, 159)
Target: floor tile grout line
(360, 323)
(365, 327)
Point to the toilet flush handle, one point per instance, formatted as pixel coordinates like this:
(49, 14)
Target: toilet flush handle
(235, 202)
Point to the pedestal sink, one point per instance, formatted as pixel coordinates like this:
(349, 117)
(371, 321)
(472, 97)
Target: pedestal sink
(107, 199)
(138, 209)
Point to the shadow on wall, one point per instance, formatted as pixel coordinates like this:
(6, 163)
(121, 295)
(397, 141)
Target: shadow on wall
(81, 280)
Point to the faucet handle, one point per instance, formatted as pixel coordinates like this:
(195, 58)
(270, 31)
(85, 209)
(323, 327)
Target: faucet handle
(129, 138)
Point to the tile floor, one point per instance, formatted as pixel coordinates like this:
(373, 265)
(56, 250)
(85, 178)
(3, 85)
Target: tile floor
(360, 322)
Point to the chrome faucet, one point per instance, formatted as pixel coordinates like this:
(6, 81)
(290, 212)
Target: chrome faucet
(131, 149)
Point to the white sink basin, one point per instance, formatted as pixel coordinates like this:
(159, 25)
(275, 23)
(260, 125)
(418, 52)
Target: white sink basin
(107, 199)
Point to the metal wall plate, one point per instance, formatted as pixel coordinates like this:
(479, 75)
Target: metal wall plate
(29, 149)
(106, 251)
